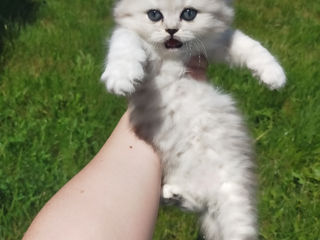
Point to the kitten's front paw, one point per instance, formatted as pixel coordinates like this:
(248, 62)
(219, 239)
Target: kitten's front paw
(121, 78)
(273, 76)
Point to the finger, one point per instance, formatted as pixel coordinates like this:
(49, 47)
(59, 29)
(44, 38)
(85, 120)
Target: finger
(198, 62)
(197, 67)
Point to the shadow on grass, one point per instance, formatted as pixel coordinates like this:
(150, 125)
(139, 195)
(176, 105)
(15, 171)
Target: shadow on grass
(15, 14)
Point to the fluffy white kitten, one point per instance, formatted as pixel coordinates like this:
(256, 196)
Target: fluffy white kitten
(204, 147)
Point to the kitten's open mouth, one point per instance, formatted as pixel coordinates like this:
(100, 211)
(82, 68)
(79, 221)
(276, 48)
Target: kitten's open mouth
(173, 43)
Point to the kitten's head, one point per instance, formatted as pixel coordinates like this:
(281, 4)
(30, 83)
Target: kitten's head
(175, 25)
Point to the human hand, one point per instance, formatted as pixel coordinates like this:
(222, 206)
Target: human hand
(197, 67)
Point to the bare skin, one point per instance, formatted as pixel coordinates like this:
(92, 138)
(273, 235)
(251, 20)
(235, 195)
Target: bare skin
(118, 189)
(116, 196)
(197, 67)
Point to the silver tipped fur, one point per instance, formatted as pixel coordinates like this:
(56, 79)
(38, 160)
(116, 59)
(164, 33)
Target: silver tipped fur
(197, 130)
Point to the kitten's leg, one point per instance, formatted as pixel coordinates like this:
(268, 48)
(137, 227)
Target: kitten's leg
(245, 51)
(125, 62)
(177, 195)
(171, 192)
(210, 227)
(234, 212)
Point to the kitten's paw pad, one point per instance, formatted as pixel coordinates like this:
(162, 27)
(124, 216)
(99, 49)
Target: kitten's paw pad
(273, 76)
(171, 192)
(121, 78)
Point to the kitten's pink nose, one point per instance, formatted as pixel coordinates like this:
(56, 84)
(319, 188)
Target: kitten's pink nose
(172, 31)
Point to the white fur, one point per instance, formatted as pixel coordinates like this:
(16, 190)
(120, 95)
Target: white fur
(204, 147)
(245, 51)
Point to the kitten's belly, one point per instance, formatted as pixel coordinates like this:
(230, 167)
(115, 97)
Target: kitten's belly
(188, 122)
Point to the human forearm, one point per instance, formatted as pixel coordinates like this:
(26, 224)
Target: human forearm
(114, 197)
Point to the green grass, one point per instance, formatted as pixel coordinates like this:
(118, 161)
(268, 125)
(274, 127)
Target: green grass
(14, 14)
(55, 115)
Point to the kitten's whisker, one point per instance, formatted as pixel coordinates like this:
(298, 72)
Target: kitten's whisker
(156, 45)
(204, 50)
(197, 46)
(189, 47)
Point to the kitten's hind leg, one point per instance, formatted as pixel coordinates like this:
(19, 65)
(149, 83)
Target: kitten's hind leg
(174, 194)
(235, 213)
(210, 226)
(171, 192)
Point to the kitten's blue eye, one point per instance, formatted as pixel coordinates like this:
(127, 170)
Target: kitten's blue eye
(154, 15)
(189, 14)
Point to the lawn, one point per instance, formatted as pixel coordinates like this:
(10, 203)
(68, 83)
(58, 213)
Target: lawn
(55, 114)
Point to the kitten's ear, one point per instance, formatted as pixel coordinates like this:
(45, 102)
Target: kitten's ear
(120, 9)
